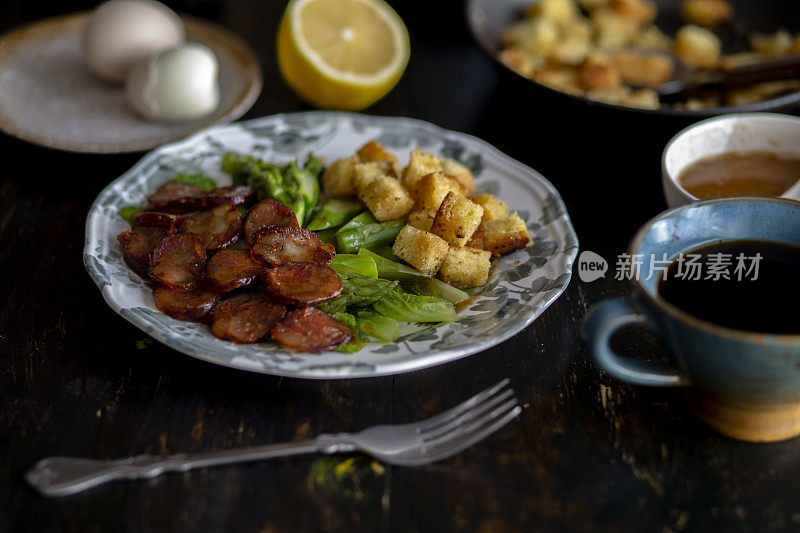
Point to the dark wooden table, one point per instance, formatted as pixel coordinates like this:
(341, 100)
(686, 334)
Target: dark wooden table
(587, 453)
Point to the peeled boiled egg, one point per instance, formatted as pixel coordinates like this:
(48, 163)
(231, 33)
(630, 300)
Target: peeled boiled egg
(122, 33)
(177, 84)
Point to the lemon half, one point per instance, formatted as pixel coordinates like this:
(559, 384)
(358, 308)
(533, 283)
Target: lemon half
(342, 54)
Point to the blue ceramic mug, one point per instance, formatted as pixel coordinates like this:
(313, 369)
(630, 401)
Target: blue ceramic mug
(743, 384)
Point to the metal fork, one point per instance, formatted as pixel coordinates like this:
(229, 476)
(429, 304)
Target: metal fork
(412, 444)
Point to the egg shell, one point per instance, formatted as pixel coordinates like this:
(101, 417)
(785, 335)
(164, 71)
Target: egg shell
(122, 33)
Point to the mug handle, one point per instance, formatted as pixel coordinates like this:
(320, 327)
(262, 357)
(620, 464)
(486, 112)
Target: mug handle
(600, 324)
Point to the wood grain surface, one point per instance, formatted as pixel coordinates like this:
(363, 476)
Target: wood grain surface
(587, 454)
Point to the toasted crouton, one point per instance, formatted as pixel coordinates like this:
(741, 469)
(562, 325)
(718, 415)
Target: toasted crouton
(430, 190)
(613, 31)
(459, 172)
(337, 181)
(697, 47)
(707, 13)
(374, 151)
(556, 10)
(419, 164)
(599, 72)
(465, 267)
(504, 236)
(477, 241)
(366, 173)
(386, 198)
(421, 219)
(421, 249)
(457, 219)
(643, 70)
(652, 38)
(493, 208)
(640, 11)
(564, 79)
(772, 44)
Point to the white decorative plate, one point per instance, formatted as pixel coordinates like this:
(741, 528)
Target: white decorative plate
(520, 287)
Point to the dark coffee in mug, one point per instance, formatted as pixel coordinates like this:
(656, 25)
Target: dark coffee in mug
(746, 285)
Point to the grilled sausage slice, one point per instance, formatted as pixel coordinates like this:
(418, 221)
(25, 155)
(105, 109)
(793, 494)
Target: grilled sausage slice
(215, 228)
(176, 197)
(231, 269)
(276, 245)
(178, 262)
(156, 219)
(310, 330)
(193, 305)
(234, 194)
(137, 246)
(264, 214)
(303, 284)
(245, 318)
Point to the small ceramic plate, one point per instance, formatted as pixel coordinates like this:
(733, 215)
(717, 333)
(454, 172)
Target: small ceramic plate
(49, 97)
(520, 287)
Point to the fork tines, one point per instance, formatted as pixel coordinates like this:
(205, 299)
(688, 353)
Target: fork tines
(470, 421)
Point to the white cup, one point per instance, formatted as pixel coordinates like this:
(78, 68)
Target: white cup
(737, 132)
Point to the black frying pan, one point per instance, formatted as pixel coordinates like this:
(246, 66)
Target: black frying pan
(487, 19)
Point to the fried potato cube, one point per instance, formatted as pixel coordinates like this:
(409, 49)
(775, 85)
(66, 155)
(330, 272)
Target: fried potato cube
(599, 72)
(457, 219)
(421, 249)
(431, 190)
(502, 237)
(641, 11)
(459, 172)
(555, 10)
(643, 70)
(386, 199)
(366, 173)
(419, 164)
(337, 180)
(697, 47)
(775, 44)
(375, 151)
(707, 13)
(493, 207)
(421, 219)
(465, 267)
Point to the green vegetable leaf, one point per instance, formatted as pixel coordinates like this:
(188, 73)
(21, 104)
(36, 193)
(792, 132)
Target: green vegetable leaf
(375, 325)
(406, 307)
(356, 343)
(357, 290)
(334, 213)
(238, 166)
(389, 269)
(358, 263)
(368, 236)
(128, 211)
(198, 180)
